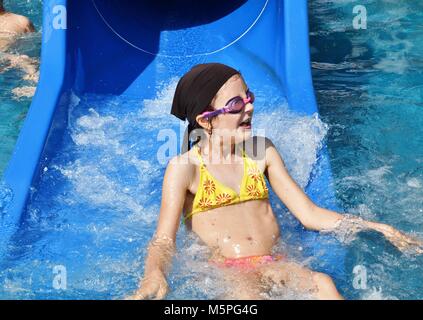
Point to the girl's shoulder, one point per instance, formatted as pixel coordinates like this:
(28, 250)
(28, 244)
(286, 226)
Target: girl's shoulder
(185, 161)
(180, 171)
(256, 146)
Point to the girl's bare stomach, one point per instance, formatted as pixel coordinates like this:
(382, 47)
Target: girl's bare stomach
(240, 230)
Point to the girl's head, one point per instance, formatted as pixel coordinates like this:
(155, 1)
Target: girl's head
(1, 5)
(210, 87)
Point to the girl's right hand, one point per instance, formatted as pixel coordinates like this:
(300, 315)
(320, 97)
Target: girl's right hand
(153, 286)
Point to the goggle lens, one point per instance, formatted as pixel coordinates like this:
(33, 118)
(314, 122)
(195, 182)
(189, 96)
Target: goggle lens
(238, 103)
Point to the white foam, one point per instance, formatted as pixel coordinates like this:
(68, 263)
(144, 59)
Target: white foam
(92, 185)
(160, 105)
(6, 196)
(414, 183)
(298, 139)
(376, 294)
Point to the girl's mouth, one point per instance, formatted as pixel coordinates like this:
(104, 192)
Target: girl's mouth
(246, 124)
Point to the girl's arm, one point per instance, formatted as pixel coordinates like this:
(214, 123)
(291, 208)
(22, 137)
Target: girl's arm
(288, 191)
(161, 248)
(312, 216)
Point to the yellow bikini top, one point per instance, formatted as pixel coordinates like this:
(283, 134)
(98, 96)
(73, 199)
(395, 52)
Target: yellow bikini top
(213, 194)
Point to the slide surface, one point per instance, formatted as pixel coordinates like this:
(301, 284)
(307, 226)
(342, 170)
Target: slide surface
(84, 173)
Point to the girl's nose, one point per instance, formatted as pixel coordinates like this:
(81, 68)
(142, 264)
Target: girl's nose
(249, 107)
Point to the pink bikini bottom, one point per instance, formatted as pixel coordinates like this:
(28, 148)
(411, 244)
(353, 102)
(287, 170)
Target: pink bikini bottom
(248, 262)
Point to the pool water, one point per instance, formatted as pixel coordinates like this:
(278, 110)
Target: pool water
(95, 207)
(369, 90)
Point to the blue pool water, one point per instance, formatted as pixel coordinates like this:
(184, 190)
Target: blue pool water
(369, 90)
(95, 207)
(96, 204)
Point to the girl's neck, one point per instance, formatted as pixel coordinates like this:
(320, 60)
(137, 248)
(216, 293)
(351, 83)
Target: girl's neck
(218, 152)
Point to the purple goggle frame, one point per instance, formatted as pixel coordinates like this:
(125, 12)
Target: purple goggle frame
(235, 105)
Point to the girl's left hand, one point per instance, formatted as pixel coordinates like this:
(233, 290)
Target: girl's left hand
(403, 242)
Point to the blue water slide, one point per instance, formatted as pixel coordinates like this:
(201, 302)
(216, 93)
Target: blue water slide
(125, 47)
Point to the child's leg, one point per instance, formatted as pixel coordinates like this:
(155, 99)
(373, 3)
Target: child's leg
(23, 62)
(241, 285)
(301, 279)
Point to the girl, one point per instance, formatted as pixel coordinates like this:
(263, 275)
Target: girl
(219, 187)
(12, 24)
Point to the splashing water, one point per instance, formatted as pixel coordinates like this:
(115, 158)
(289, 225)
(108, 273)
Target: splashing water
(95, 207)
(6, 196)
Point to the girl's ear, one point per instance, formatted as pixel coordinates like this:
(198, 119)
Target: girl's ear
(203, 122)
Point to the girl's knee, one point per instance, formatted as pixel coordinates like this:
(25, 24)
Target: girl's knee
(326, 288)
(322, 280)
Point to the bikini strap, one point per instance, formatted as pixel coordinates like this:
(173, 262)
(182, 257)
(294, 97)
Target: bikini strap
(244, 155)
(199, 155)
(243, 152)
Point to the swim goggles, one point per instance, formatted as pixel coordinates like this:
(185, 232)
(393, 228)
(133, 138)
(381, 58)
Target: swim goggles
(235, 105)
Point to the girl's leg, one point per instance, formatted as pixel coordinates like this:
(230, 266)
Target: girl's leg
(301, 279)
(241, 285)
(23, 62)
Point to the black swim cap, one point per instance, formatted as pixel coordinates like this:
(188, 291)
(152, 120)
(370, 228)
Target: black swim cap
(196, 89)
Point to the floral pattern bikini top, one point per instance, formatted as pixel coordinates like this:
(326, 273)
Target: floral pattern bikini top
(213, 194)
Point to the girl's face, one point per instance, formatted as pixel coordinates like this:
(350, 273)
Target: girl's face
(229, 126)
